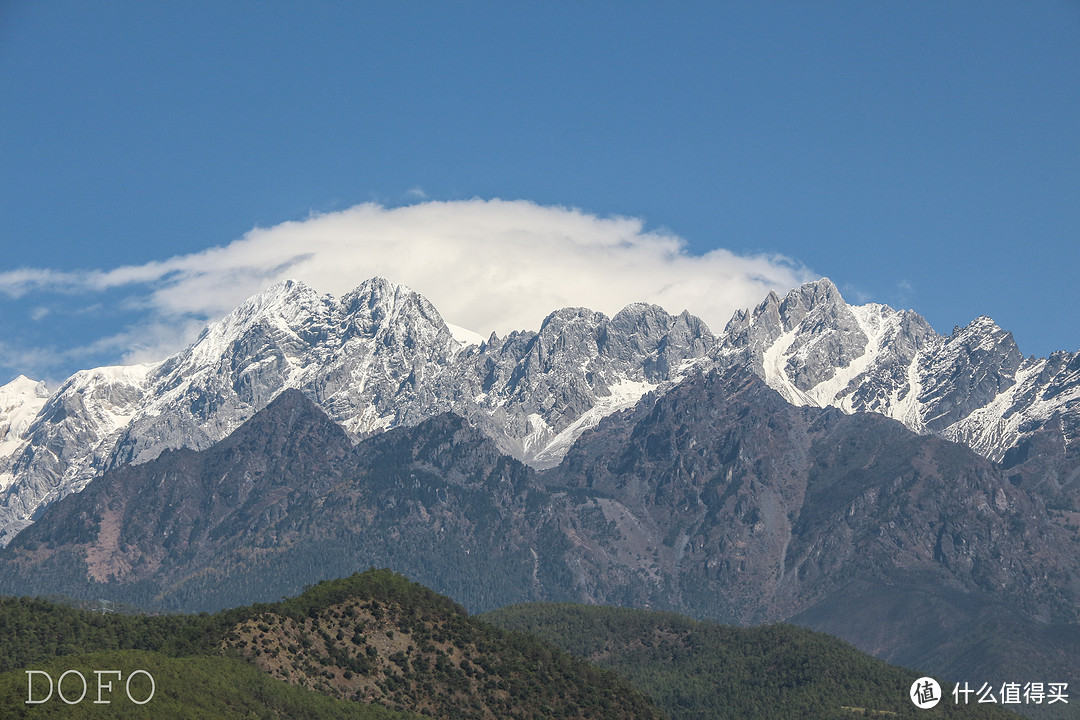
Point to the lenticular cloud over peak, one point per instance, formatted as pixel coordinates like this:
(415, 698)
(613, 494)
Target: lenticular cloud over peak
(504, 265)
(487, 265)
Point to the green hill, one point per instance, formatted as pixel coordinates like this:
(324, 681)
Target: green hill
(705, 671)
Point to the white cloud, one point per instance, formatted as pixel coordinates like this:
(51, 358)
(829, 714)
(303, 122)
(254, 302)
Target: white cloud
(485, 264)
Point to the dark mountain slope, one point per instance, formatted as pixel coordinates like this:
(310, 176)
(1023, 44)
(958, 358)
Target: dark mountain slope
(762, 508)
(737, 506)
(284, 502)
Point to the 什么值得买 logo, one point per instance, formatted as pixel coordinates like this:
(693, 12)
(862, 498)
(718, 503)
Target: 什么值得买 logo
(925, 693)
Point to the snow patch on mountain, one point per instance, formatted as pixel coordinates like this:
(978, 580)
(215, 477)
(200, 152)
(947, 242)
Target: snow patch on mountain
(774, 361)
(624, 394)
(903, 404)
(873, 320)
(465, 336)
(20, 402)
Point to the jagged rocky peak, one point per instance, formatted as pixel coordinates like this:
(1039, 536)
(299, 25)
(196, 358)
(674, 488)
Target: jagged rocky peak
(289, 319)
(975, 364)
(363, 357)
(571, 330)
(798, 342)
(649, 331)
(21, 388)
(287, 298)
(549, 378)
(819, 300)
(290, 302)
(534, 393)
(756, 328)
(642, 342)
(985, 338)
(826, 333)
(774, 316)
(642, 320)
(646, 320)
(378, 303)
(289, 315)
(381, 299)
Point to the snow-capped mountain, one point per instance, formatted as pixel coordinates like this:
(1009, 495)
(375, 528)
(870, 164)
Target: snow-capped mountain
(972, 386)
(379, 357)
(382, 357)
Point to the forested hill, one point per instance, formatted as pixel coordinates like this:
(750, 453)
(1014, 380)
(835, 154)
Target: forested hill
(373, 645)
(705, 671)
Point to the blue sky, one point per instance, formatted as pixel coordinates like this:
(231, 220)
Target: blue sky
(920, 154)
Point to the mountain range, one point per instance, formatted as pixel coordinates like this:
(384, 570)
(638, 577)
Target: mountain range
(382, 357)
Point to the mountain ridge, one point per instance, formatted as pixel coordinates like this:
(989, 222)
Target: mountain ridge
(382, 357)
